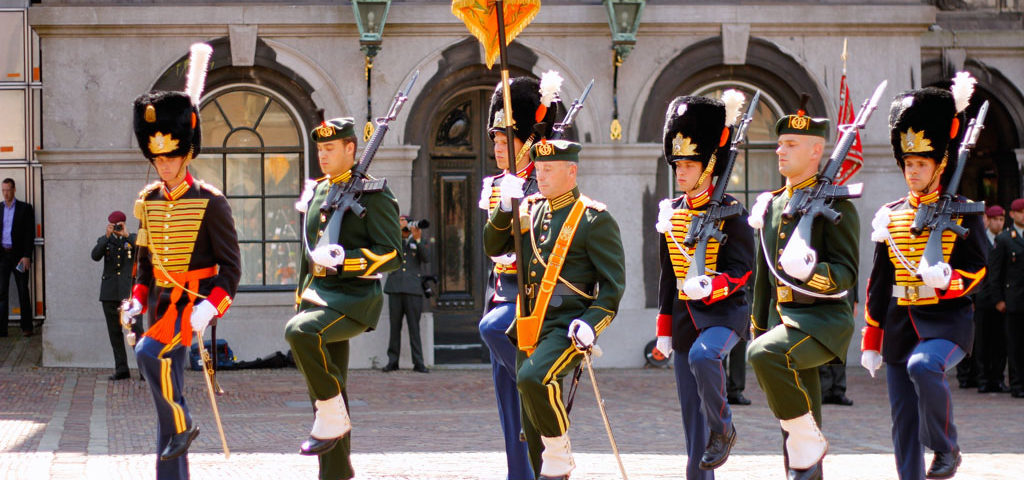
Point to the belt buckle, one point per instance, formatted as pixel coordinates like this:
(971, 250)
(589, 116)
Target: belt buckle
(784, 294)
(319, 270)
(529, 290)
(912, 294)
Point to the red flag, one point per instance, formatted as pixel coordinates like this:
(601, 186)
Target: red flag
(855, 157)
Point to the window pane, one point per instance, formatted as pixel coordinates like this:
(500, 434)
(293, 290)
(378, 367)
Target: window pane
(252, 263)
(762, 127)
(12, 127)
(242, 107)
(12, 55)
(763, 170)
(248, 219)
(244, 139)
(454, 249)
(243, 171)
(282, 263)
(207, 167)
(37, 119)
(282, 220)
(36, 58)
(277, 127)
(281, 174)
(214, 127)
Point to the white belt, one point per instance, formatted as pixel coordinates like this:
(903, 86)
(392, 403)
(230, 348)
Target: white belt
(913, 293)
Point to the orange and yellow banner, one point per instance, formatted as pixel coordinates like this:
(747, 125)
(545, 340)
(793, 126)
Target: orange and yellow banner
(481, 18)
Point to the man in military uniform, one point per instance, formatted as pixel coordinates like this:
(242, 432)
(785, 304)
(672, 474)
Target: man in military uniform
(188, 262)
(989, 323)
(1008, 275)
(405, 297)
(115, 248)
(801, 316)
(339, 295)
(919, 317)
(576, 279)
(529, 112)
(702, 315)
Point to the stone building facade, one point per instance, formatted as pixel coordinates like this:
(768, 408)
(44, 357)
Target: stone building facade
(276, 63)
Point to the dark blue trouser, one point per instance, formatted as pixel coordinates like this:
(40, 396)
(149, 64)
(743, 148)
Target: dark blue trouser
(921, 404)
(503, 369)
(163, 367)
(706, 355)
(695, 428)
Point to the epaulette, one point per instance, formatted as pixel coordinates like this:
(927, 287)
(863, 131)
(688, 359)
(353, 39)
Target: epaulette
(893, 203)
(372, 185)
(148, 189)
(593, 204)
(209, 188)
(534, 198)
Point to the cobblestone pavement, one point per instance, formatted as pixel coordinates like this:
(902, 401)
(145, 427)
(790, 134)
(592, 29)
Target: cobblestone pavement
(72, 423)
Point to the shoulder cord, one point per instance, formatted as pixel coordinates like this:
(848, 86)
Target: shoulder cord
(909, 265)
(687, 256)
(536, 252)
(771, 267)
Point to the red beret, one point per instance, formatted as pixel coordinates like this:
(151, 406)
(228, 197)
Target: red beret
(116, 216)
(1017, 204)
(995, 211)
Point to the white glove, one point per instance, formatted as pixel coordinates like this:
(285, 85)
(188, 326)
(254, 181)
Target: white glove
(798, 259)
(511, 187)
(485, 194)
(328, 255)
(201, 315)
(697, 287)
(506, 259)
(936, 276)
(871, 361)
(664, 345)
(756, 218)
(302, 204)
(129, 309)
(880, 225)
(581, 334)
(665, 212)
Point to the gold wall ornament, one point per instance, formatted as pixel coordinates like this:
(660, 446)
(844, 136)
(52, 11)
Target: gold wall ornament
(160, 143)
(545, 149)
(683, 146)
(915, 142)
(150, 115)
(799, 122)
(616, 130)
(325, 130)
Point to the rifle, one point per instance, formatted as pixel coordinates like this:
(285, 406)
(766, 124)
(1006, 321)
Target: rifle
(811, 203)
(343, 199)
(942, 215)
(705, 226)
(570, 115)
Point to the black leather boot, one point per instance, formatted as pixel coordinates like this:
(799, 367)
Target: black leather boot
(944, 464)
(179, 443)
(813, 473)
(717, 451)
(317, 446)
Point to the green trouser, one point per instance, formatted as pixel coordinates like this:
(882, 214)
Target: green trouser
(319, 340)
(539, 380)
(786, 362)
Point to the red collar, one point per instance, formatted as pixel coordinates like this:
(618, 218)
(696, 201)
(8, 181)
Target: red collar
(700, 199)
(180, 190)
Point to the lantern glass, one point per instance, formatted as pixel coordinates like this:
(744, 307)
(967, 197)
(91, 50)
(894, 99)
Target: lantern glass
(370, 18)
(624, 22)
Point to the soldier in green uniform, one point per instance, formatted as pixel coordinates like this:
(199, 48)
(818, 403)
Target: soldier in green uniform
(340, 293)
(575, 279)
(801, 315)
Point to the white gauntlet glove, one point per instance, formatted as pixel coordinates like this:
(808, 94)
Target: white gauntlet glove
(511, 187)
(201, 315)
(581, 334)
(328, 255)
(798, 259)
(871, 361)
(664, 345)
(697, 287)
(936, 276)
(506, 259)
(302, 204)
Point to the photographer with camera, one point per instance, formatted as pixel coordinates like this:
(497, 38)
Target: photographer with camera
(116, 248)
(405, 294)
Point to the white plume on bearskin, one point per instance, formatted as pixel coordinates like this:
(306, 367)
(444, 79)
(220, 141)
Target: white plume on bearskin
(665, 212)
(550, 86)
(880, 225)
(962, 88)
(195, 80)
(756, 218)
(733, 100)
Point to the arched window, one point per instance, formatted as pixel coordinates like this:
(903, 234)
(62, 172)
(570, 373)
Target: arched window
(756, 169)
(253, 148)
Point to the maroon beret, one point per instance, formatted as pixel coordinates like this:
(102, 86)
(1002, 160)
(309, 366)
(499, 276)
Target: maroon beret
(1017, 204)
(995, 211)
(116, 216)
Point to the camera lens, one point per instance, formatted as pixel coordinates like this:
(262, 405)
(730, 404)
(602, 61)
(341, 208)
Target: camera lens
(118, 227)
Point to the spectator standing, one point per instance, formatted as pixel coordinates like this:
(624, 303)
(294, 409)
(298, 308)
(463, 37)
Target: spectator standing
(989, 323)
(1008, 273)
(18, 238)
(405, 296)
(116, 248)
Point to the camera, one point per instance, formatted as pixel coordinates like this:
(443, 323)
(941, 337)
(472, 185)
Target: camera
(421, 224)
(118, 227)
(428, 282)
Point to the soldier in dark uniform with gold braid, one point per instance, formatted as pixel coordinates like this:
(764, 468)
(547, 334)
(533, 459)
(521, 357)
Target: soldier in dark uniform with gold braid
(576, 278)
(532, 110)
(801, 313)
(188, 263)
(920, 317)
(702, 315)
(339, 295)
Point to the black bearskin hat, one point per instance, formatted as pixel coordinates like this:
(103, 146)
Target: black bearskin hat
(167, 123)
(526, 101)
(695, 129)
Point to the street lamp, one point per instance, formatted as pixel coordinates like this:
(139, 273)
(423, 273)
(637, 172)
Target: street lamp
(371, 15)
(624, 21)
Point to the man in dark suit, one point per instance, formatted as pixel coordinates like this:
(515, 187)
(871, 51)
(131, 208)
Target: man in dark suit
(18, 235)
(989, 323)
(1008, 273)
(405, 297)
(116, 248)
